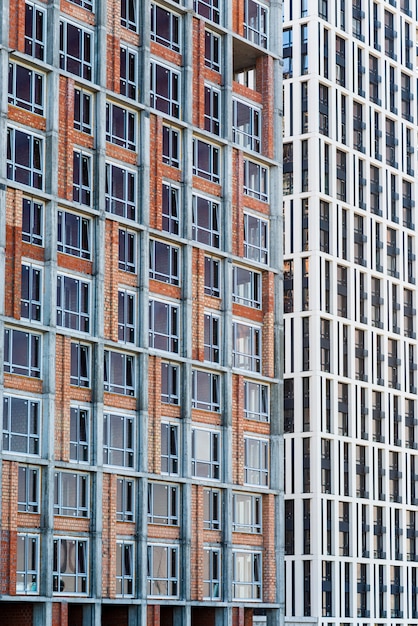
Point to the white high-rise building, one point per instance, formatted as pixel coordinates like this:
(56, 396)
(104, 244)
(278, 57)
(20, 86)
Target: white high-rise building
(351, 435)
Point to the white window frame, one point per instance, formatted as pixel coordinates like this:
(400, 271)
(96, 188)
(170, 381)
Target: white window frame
(212, 505)
(212, 337)
(77, 317)
(256, 461)
(72, 494)
(170, 451)
(127, 250)
(27, 565)
(124, 383)
(31, 301)
(213, 109)
(35, 44)
(74, 234)
(209, 9)
(253, 26)
(82, 177)
(253, 238)
(128, 72)
(169, 104)
(164, 262)
(80, 363)
(247, 513)
(83, 110)
(247, 575)
(213, 170)
(126, 316)
(173, 42)
(31, 173)
(248, 293)
(80, 434)
(129, 15)
(124, 452)
(247, 135)
(79, 566)
(170, 389)
(256, 401)
(33, 212)
(256, 180)
(163, 504)
(125, 499)
(125, 568)
(211, 402)
(29, 483)
(34, 82)
(212, 277)
(171, 146)
(166, 339)
(128, 138)
(66, 61)
(31, 437)
(213, 59)
(13, 363)
(169, 581)
(124, 206)
(211, 462)
(247, 346)
(212, 573)
(210, 235)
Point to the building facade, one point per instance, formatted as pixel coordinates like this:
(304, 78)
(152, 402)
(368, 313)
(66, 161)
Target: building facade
(350, 388)
(140, 203)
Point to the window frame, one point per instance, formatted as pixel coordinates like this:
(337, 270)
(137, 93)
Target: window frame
(157, 251)
(84, 62)
(35, 103)
(170, 337)
(212, 462)
(206, 230)
(80, 434)
(212, 277)
(212, 54)
(35, 41)
(83, 110)
(257, 474)
(212, 504)
(126, 449)
(79, 577)
(212, 341)
(29, 574)
(82, 177)
(170, 383)
(80, 358)
(171, 150)
(256, 184)
(255, 32)
(128, 76)
(127, 316)
(170, 453)
(34, 353)
(253, 582)
(173, 42)
(213, 108)
(251, 360)
(78, 488)
(129, 15)
(256, 251)
(212, 171)
(252, 296)
(248, 135)
(32, 434)
(125, 499)
(74, 234)
(32, 172)
(213, 401)
(127, 258)
(128, 125)
(171, 577)
(125, 204)
(79, 316)
(29, 489)
(125, 568)
(163, 508)
(209, 9)
(169, 103)
(212, 573)
(263, 400)
(125, 386)
(251, 512)
(33, 235)
(32, 288)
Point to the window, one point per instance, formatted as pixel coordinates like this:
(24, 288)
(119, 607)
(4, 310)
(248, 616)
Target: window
(70, 566)
(246, 125)
(212, 573)
(25, 160)
(21, 425)
(74, 234)
(171, 146)
(256, 453)
(206, 160)
(246, 288)
(26, 88)
(83, 110)
(255, 22)
(127, 251)
(31, 293)
(246, 347)
(170, 383)
(165, 28)
(32, 221)
(76, 50)
(163, 504)
(211, 509)
(126, 316)
(120, 191)
(86, 4)
(206, 391)
(118, 440)
(212, 339)
(129, 14)
(212, 51)
(163, 570)
(125, 568)
(169, 448)
(247, 575)
(212, 109)
(80, 364)
(164, 326)
(35, 22)
(212, 277)
(247, 516)
(119, 373)
(79, 434)
(120, 126)
(256, 401)
(128, 72)
(22, 353)
(256, 180)
(255, 238)
(246, 77)
(73, 303)
(82, 177)
(164, 262)
(209, 9)
(28, 489)
(71, 494)
(27, 566)
(165, 89)
(206, 221)
(206, 454)
(170, 208)
(125, 499)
